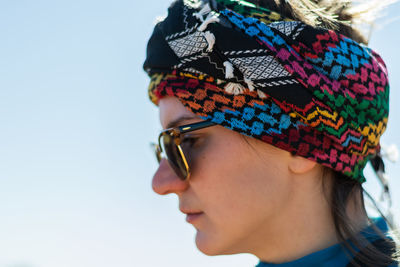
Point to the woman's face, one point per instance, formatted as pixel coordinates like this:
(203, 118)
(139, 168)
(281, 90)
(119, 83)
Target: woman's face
(238, 191)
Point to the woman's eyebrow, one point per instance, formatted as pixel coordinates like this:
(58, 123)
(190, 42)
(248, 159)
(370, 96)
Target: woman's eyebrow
(179, 120)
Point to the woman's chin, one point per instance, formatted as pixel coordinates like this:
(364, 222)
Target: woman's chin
(210, 246)
(205, 244)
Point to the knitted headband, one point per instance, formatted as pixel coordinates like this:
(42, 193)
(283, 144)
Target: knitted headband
(311, 91)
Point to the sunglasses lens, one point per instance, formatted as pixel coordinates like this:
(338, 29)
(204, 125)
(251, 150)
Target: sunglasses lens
(174, 156)
(157, 151)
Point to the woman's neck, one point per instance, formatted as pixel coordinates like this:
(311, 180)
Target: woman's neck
(305, 227)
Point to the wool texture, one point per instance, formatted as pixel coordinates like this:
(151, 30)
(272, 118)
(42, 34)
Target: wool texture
(311, 91)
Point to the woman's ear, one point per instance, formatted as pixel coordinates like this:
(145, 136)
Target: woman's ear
(300, 165)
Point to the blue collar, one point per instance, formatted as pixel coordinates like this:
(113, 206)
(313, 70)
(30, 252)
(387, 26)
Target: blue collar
(332, 256)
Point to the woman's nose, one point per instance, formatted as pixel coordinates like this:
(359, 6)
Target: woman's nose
(165, 180)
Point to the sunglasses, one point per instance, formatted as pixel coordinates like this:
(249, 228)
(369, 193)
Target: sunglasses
(172, 146)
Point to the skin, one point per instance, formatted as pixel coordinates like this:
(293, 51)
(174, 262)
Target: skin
(252, 197)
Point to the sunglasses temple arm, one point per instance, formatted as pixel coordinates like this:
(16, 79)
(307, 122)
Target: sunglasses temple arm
(196, 126)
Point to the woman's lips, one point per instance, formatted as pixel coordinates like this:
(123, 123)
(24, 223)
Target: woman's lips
(192, 217)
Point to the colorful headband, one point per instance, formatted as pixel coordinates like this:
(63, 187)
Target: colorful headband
(311, 91)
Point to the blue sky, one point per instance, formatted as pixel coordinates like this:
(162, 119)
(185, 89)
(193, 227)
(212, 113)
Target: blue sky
(75, 164)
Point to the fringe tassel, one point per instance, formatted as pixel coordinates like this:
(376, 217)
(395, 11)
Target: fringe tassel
(206, 9)
(234, 88)
(261, 94)
(211, 18)
(210, 38)
(249, 83)
(228, 70)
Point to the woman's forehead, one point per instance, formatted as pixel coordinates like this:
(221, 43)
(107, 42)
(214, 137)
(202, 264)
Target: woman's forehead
(172, 110)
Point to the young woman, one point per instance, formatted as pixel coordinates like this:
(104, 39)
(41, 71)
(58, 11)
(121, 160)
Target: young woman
(271, 111)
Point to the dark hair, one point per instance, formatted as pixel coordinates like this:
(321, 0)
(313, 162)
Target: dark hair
(343, 189)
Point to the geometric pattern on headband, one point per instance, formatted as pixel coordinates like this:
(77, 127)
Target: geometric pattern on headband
(248, 65)
(259, 67)
(229, 63)
(189, 45)
(287, 27)
(337, 81)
